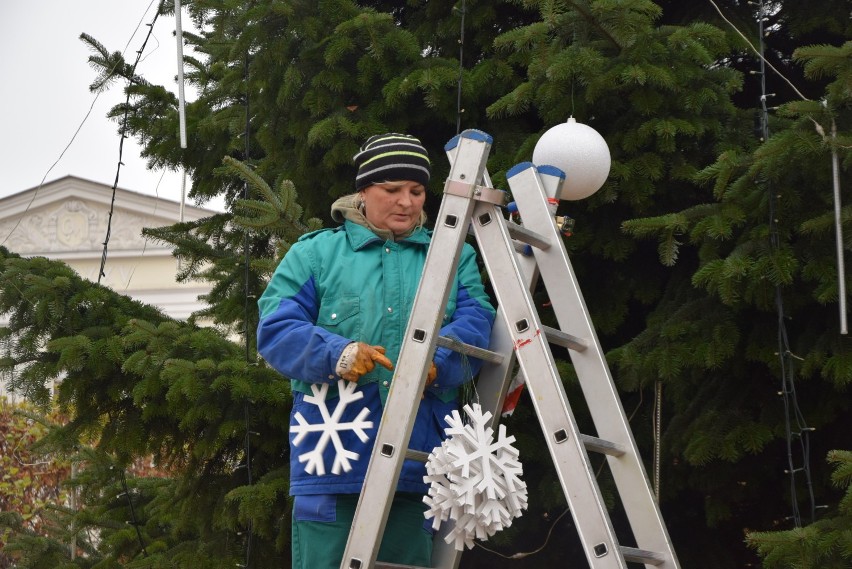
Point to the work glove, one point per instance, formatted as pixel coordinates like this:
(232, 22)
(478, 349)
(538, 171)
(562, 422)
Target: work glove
(430, 378)
(432, 375)
(360, 359)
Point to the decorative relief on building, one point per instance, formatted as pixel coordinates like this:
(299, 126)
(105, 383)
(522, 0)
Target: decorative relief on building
(127, 227)
(24, 235)
(75, 225)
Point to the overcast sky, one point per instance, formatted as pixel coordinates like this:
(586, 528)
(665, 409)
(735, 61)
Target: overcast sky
(44, 79)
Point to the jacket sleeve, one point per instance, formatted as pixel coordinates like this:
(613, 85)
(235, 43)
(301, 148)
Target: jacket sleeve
(288, 337)
(470, 323)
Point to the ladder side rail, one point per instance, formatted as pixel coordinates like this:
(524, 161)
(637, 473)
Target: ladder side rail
(494, 380)
(593, 371)
(533, 353)
(418, 348)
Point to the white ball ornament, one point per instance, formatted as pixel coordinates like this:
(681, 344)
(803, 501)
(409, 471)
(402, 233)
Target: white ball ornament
(580, 152)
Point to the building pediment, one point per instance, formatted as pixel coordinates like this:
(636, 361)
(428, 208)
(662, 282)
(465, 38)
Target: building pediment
(71, 216)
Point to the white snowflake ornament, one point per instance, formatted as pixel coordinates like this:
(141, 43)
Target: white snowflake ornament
(331, 428)
(474, 480)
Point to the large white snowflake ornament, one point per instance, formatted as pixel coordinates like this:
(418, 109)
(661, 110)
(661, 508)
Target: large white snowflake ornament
(331, 428)
(474, 480)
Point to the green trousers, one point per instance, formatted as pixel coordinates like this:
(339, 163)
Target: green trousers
(321, 527)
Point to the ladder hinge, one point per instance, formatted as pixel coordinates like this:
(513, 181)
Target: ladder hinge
(479, 193)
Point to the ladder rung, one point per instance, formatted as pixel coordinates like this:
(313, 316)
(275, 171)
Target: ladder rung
(634, 555)
(532, 238)
(600, 445)
(563, 339)
(418, 455)
(469, 350)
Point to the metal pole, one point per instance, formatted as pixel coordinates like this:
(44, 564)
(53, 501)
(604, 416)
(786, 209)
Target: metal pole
(181, 100)
(74, 510)
(838, 228)
(182, 194)
(181, 105)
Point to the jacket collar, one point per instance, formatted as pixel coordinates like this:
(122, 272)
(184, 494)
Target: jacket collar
(359, 236)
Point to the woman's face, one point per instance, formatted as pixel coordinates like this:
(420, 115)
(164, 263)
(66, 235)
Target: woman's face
(394, 205)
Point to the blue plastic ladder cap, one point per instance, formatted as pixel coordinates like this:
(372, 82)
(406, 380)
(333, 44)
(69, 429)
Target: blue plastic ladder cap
(479, 135)
(471, 134)
(551, 170)
(528, 251)
(454, 141)
(512, 207)
(518, 168)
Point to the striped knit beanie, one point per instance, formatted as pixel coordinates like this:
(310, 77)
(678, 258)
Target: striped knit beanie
(391, 157)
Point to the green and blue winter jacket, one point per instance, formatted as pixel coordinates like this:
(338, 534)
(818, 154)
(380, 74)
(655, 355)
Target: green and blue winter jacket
(345, 284)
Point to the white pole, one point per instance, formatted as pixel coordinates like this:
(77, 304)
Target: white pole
(181, 106)
(182, 194)
(838, 228)
(181, 101)
(74, 510)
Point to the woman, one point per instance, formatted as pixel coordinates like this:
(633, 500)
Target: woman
(336, 309)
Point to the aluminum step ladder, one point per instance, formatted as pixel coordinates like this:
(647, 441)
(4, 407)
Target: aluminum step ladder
(518, 336)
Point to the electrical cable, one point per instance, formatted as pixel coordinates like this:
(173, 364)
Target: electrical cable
(133, 521)
(459, 110)
(657, 421)
(522, 554)
(145, 244)
(818, 127)
(247, 311)
(101, 273)
(123, 132)
(52, 166)
(760, 51)
(788, 387)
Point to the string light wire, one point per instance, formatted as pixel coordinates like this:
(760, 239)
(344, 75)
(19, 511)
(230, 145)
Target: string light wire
(757, 51)
(123, 136)
(145, 244)
(459, 109)
(250, 358)
(785, 355)
(134, 522)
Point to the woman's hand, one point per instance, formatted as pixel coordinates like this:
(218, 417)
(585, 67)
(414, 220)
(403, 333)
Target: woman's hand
(364, 360)
(432, 375)
(430, 378)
